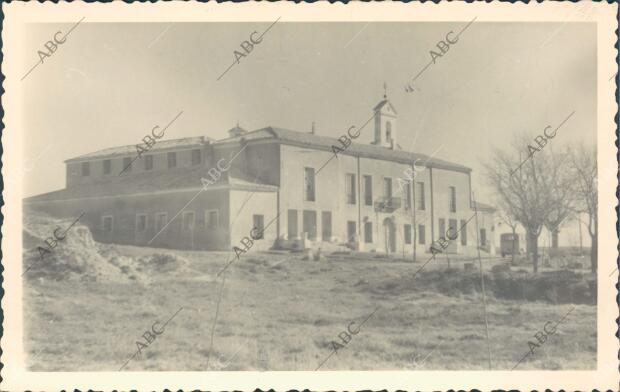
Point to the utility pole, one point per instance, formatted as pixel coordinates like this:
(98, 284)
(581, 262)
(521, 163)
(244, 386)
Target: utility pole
(484, 297)
(580, 238)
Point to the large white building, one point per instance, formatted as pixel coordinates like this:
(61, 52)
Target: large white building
(289, 184)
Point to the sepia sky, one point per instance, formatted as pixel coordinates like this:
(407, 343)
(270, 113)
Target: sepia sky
(109, 84)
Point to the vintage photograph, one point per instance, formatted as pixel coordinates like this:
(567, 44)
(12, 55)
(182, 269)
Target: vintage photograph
(315, 195)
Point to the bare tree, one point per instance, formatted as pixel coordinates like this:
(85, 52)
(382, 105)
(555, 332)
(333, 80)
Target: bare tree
(583, 164)
(563, 205)
(527, 180)
(510, 220)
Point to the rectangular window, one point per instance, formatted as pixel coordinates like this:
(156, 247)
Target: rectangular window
(292, 224)
(351, 232)
(368, 232)
(387, 187)
(350, 188)
(196, 157)
(107, 166)
(463, 232)
(212, 219)
(442, 228)
(127, 164)
(161, 219)
(188, 220)
(326, 225)
(310, 224)
(108, 223)
(148, 162)
(368, 190)
(483, 237)
(452, 199)
(172, 160)
(452, 231)
(407, 234)
(259, 226)
(309, 189)
(85, 169)
(421, 234)
(141, 222)
(407, 196)
(420, 199)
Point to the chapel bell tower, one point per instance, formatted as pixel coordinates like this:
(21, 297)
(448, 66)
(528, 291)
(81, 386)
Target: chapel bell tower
(385, 122)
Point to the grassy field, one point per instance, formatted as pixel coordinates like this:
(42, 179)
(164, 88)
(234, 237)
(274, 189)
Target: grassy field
(279, 312)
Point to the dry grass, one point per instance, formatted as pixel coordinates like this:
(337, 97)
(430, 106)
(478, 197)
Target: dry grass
(279, 312)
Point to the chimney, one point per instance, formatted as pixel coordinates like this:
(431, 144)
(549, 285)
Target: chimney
(312, 131)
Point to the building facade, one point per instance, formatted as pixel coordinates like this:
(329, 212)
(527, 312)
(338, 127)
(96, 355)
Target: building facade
(292, 187)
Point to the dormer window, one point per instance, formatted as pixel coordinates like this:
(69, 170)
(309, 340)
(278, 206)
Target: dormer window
(388, 131)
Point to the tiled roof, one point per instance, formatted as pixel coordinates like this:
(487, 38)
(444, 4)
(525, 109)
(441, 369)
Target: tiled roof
(288, 136)
(131, 149)
(150, 182)
(310, 140)
(189, 178)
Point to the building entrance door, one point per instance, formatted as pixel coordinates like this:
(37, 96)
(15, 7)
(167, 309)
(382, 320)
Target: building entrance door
(390, 235)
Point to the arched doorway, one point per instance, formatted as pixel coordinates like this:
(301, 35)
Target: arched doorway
(389, 230)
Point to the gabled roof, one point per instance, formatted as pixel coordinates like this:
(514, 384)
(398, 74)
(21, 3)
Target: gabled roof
(309, 140)
(287, 136)
(131, 149)
(382, 104)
